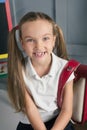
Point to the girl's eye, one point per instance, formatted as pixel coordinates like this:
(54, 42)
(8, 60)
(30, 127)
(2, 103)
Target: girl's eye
(29, 40)
(46, 38)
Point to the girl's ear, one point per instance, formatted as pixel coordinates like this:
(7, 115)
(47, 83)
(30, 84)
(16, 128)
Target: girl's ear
(21, 41)
(54, 40)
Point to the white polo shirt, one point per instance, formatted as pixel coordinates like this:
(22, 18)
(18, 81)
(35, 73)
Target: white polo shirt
(44, 89)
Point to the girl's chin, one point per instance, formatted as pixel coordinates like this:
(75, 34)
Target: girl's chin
(39, 61)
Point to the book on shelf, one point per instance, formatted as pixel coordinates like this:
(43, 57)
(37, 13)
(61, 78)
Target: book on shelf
(3, 65)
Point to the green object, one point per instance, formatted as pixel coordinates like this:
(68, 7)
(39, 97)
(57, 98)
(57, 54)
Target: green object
(3, 75)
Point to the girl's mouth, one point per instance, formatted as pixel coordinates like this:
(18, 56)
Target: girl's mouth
(39, 54)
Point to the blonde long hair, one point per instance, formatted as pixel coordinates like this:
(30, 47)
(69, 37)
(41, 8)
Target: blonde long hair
(16, 60)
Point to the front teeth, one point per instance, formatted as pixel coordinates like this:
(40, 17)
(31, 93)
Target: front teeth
(39, 54)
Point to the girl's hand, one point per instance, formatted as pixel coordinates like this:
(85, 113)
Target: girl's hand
(33, 113)
(66, 110)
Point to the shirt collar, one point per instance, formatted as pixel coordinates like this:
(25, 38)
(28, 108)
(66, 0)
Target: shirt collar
(54, 67)
(30, 69)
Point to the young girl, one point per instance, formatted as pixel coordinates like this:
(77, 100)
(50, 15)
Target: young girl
(33, 79)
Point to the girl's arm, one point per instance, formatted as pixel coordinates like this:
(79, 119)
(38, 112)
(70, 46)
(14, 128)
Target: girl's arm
(66, 110)
(33, 114)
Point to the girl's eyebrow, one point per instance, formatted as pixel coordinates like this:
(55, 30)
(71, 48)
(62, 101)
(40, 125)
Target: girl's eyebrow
(28, 37)
(34, 37)
(47, 34)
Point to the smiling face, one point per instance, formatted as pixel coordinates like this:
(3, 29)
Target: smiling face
(38, 41)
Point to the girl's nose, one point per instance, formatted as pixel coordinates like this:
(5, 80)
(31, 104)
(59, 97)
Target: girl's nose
(38, 44)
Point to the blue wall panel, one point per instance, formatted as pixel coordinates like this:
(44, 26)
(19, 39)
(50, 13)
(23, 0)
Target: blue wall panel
(2, 1)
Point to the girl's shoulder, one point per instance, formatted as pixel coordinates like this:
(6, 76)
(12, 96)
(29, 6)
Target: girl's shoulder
(58, 60)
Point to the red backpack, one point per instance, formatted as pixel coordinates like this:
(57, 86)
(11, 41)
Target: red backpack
(80, 89)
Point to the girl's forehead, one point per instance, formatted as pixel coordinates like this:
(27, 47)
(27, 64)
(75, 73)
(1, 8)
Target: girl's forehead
(37, 23)
(37, 27)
